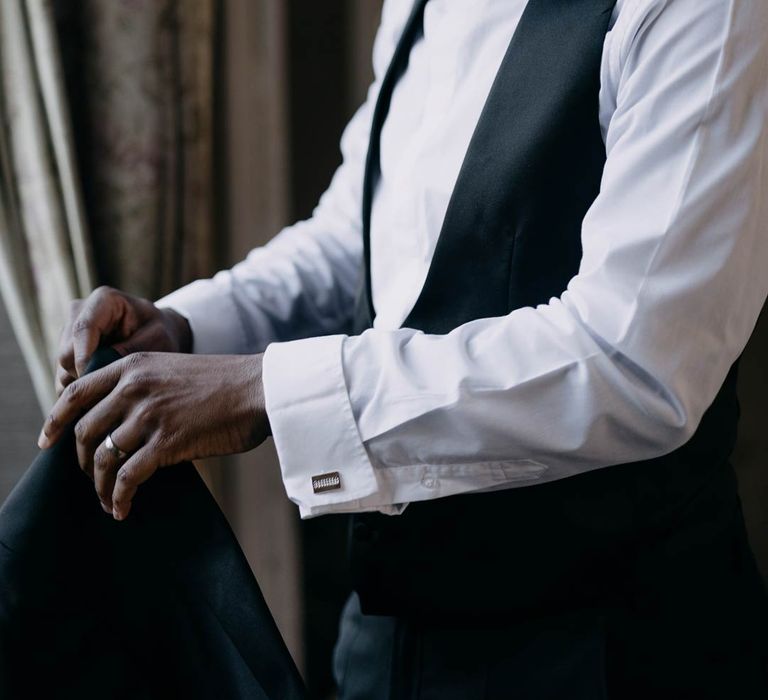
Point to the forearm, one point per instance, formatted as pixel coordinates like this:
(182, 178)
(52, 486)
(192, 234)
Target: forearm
(300, 284)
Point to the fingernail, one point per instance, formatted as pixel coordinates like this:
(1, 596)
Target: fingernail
(116, 514)
(105, 508)
(42, 440)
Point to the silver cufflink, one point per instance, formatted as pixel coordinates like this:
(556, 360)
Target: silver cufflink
(326, 482)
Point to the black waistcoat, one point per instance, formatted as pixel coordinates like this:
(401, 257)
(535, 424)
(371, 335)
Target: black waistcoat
(511, 238)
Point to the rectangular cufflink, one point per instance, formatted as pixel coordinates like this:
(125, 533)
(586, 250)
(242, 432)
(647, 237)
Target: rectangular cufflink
(326, 482)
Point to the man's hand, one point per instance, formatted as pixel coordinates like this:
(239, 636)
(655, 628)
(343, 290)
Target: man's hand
(161, 409)
(126, 322)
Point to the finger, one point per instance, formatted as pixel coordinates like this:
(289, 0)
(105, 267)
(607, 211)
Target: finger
(100, 314)
(77, 398)
(93, 428)
(63, 380)
(66, 360)
(136, 470)
(144, 337)
(129, 439)
(66, 355)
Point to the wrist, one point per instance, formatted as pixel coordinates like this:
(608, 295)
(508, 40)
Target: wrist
(179, 329)
(254, 385)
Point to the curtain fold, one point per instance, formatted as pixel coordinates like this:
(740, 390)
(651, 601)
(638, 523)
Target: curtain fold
(140, 79)
(45, 258)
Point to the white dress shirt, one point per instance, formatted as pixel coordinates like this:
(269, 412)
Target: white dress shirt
(619, 368)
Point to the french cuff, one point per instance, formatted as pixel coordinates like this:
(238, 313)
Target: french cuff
(212, 317)
(324, 464)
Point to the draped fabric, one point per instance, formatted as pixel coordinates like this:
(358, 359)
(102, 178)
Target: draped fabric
(163, 605)
(140, 77)
(45, 258)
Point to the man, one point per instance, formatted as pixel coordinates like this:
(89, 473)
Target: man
(560, 213)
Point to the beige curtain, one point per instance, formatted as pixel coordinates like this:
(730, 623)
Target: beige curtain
(44, 254)
(141, 81)
(142, 103)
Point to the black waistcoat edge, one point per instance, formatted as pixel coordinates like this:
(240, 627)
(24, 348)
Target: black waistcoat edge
(512, 238)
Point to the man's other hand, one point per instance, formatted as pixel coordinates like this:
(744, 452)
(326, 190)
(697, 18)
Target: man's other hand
(161, 409)
(128, 323)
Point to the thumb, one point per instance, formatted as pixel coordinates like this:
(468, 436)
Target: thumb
(145, 338)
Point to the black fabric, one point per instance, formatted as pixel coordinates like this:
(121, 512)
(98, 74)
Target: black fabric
(685, 620)
(511, 235)
(387, 658)
(162, 605)
(657, 548)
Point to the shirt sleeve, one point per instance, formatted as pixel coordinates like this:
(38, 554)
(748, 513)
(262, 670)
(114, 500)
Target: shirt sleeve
(300, 284)
(620, 367)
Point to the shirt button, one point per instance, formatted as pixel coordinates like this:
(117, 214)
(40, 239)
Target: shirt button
(429, 482)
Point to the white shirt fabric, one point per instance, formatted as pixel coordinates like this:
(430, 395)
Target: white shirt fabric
(619, 368)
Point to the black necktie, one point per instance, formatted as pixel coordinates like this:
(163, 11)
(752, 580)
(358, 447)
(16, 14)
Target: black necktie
(413, 30)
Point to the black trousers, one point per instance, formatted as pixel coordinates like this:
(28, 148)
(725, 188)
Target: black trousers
(686, 619)
(384, 658)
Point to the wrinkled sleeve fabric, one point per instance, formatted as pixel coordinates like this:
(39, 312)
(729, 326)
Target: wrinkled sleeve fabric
(619, 368)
